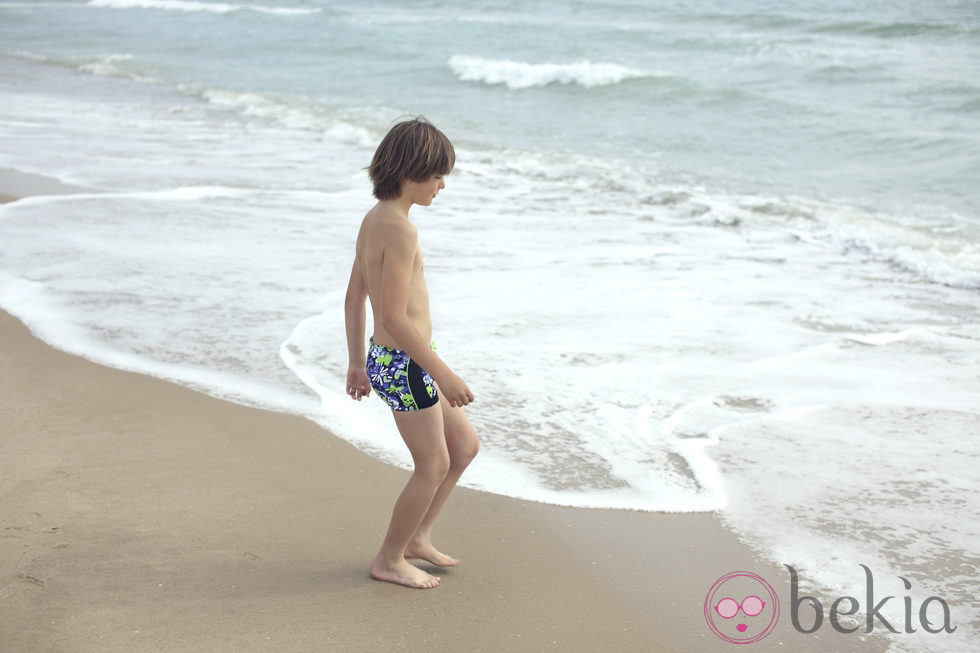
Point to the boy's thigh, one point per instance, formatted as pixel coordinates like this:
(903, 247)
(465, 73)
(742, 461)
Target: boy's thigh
(422, 430)
(459, 433)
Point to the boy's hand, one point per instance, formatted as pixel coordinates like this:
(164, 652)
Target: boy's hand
(454, 390)
(358, 384)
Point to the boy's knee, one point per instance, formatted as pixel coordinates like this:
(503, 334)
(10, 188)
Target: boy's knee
(435, 468)
(473, 448)
(466, 451)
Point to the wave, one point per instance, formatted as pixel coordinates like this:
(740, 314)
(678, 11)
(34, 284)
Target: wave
(519, 75)
(102, 65)
(816, 25)
(945, 254)
(109, 66)
(933, 245)
(951, 259)
(190, 6)
(892, 30)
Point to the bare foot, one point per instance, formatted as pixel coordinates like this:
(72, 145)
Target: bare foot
(403, 573)
(425, 551)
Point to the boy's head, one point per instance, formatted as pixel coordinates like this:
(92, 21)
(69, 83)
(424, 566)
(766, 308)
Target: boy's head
(413, 149)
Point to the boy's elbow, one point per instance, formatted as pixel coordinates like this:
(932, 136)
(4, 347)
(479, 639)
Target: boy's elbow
(392, 322)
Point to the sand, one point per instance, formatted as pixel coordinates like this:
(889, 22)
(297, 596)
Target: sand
(138, 515)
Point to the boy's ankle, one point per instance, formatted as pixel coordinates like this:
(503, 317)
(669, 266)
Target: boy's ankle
(388, 560)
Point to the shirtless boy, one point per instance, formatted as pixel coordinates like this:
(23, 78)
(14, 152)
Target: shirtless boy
(426, 398)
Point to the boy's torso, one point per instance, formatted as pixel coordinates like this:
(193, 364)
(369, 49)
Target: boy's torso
(372, 240)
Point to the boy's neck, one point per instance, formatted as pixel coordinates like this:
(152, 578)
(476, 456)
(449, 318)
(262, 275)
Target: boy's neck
(400, 205)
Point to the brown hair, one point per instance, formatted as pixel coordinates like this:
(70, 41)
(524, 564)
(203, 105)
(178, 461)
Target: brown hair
(413, 149)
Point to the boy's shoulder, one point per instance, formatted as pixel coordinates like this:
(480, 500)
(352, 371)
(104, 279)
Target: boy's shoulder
(384, 230)
(392, 225)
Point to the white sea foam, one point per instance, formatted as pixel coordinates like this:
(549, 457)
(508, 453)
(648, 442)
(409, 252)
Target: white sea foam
(207, 7)
(519, 75)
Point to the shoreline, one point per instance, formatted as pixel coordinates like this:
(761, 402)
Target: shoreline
(138, 514)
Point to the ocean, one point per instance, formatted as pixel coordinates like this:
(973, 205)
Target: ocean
(716, 256)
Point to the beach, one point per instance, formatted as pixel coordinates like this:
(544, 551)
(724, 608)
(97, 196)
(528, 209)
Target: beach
(138, 515)
(711, 271)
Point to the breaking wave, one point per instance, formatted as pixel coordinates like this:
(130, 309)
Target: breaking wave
(190, 6)
(519, 75)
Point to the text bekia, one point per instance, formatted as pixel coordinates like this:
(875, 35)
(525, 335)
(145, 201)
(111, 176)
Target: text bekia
(838, 608)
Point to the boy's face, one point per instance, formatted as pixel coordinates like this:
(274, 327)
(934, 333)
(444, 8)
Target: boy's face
(423, 192)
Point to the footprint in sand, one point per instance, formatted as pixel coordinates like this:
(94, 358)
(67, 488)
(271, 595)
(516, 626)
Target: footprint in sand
(33, 520)
(29, 580)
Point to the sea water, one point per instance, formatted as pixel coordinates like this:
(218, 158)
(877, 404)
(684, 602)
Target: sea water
(721, 257)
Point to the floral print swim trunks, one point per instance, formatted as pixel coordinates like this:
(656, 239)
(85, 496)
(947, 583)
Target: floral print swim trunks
(399, 380)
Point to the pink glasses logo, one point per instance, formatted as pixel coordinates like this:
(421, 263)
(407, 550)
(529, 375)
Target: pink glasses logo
(741, 608)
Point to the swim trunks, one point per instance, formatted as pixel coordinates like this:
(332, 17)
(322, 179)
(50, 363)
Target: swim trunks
(399, 380)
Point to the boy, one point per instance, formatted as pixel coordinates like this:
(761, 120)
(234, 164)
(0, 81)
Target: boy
(426, 398)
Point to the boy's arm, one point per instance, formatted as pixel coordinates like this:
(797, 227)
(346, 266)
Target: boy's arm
(358, 384)
(396, 272)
